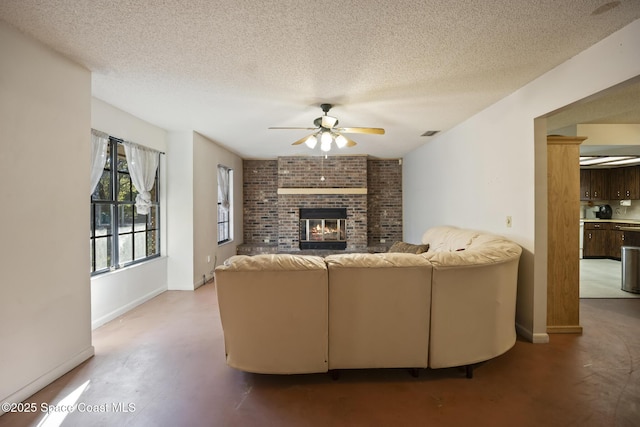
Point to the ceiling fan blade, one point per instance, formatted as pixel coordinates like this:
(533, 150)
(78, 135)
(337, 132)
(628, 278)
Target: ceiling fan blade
(328, 122)
(377, 131)
(350, 142)
(293, 128)
(301, 140)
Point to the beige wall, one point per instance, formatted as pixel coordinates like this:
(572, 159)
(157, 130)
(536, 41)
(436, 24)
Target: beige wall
(207, 155)
(192, 182)
(497, 165)
(609, 134)
(45, 114)
(180, 210)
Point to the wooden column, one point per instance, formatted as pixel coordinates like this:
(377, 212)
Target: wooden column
(563, 265)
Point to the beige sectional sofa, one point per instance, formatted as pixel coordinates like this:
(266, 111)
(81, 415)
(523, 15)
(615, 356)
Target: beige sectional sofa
(274, 313)
(379, 307)
(453, 305)
(473, 295)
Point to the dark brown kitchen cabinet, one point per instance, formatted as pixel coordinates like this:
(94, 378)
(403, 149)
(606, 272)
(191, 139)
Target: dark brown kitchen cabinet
(595, 242)
(603, 240)
(599, 180)
(594, 184)
(632, 178)
(616, 240)
(585, 184)
(624, 183)
(617, 183)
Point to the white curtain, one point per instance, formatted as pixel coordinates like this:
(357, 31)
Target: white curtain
(143, 163)
(99, 144)
(223, 187)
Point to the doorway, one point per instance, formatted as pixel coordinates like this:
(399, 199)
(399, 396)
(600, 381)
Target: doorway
(611, 121)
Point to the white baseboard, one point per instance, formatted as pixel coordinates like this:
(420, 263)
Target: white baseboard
(204, 281)
(538, 338)
(48, 378)
(120, 311)
(542, 338)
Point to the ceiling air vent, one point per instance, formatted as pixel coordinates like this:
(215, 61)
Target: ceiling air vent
(430, 133)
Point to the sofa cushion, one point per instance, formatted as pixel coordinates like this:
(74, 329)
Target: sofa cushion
(408, 248)
(448, 238)
(381, 260)
(274, 262)
(379, 310)
(485, 249)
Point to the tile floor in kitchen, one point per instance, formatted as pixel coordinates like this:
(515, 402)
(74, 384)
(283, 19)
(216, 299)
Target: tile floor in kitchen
(602, 278)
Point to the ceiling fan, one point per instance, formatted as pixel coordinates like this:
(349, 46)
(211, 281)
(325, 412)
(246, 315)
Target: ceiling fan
(327, 133)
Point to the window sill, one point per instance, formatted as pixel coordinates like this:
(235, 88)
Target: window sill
(128, 267)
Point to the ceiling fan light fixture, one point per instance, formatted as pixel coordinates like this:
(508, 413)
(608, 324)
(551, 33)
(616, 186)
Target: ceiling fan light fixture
(341, 141)
(326, 138)
(325, 141)
(311, 141)
(328, 121)
(325, 147)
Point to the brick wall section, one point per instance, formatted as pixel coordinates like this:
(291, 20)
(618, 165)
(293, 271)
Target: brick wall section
(371, 217)
(260, 203)
(306, 172)
(339, 172)
(384, 200)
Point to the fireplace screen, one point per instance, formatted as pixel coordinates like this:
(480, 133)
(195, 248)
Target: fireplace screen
(323, 228)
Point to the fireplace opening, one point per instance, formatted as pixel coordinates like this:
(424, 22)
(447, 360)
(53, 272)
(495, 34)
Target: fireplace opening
(323, 228)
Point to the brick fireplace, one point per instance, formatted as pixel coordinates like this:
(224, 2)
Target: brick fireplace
(275, 190)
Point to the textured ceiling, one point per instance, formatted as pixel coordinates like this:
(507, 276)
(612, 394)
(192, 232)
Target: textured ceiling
(230, 69)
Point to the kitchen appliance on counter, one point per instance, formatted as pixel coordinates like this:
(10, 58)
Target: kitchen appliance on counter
(604, 212)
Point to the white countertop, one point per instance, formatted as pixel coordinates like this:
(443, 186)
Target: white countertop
(613, 220)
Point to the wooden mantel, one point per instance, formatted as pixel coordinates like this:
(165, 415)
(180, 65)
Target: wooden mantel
(563, 258)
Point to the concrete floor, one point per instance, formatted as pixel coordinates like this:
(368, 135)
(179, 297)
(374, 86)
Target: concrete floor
(164, 363)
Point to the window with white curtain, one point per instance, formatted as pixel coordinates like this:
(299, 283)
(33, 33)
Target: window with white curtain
(125, 225)
(225, 204)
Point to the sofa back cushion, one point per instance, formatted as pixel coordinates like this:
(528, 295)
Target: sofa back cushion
(274, 262)
(451, 247)
(448, 239)
(379, 310)
(274, 313)
(381, 260)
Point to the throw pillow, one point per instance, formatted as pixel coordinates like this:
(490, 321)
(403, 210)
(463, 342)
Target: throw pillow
(408, 248)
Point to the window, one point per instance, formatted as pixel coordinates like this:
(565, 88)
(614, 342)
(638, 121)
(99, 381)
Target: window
(225, 204)
(119, 235)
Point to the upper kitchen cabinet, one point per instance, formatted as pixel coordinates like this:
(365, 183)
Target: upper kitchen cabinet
(624, 183)
(585, 184)
(594, 184)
